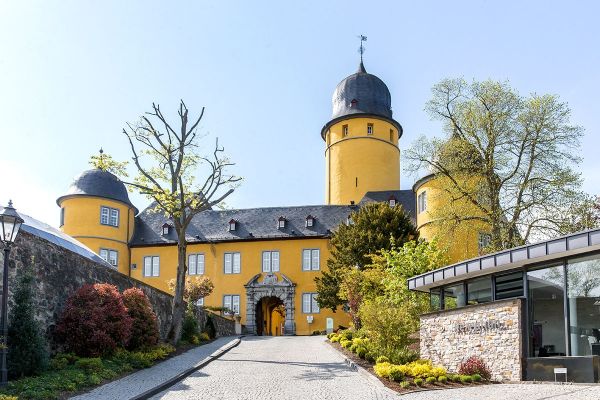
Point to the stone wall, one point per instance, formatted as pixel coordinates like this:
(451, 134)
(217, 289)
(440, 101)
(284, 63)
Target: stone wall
(492, 331)
(59, 272)
(223, 326)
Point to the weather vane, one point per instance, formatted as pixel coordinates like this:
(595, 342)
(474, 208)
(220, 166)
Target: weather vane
(361, 49)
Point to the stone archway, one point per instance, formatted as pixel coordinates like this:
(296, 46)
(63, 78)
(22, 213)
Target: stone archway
(270, 286)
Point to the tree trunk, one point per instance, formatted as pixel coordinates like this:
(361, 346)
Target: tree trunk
(178, 305)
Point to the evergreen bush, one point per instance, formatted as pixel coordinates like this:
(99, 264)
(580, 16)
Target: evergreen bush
(189, 328)
(95, 321)
(27, 353)
(144, 328)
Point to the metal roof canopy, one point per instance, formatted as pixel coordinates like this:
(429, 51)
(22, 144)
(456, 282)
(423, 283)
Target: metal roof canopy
(573, 244)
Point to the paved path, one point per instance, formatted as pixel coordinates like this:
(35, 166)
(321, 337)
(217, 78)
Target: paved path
(302, 367)
(512, 392)
(145, 379)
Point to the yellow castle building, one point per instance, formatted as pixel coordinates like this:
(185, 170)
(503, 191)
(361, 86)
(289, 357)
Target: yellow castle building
(263, 261)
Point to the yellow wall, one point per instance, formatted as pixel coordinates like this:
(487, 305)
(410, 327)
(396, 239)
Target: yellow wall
(461, 243)
(82, 221)
(290, 254)
(358, 163)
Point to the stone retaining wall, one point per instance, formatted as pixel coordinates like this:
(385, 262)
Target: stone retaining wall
(492, 331)
(59, 272)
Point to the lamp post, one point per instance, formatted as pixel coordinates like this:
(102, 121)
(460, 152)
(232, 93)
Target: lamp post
(10, 223)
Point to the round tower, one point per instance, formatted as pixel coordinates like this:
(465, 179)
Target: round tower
(96, 210)
(361, 152)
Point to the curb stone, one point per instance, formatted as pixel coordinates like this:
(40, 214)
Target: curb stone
(182, 375)
(357, 368)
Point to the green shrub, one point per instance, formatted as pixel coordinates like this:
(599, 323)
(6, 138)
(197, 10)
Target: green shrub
(454, 378)
(189, 327)
(204, 337)
(405, 384)
(443, 379)
(353, 347)
(26, 345)
(396, 374)
(330, 335)
(89, 364)
(418, 381)
(347, 334)
(466, 379)
(346, 343)
(476, 377)
(431, 380)
(335, 338)
(5, 397)
(370, 357)
(382, 359)
(361, 352)
(383, 369)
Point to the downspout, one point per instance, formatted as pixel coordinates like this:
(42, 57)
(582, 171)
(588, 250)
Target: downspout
(128, 248)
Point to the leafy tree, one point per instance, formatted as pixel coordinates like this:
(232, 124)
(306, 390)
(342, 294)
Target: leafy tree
(105, 162)
(374, 226)
(195, 289)
(178, 179)
(583, 214)
(509, 159)
(27, 353)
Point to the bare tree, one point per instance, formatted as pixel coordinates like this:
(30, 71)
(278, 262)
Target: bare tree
(169, 165)
(508, 161)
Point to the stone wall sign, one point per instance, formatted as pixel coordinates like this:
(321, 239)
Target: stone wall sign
(492, 331)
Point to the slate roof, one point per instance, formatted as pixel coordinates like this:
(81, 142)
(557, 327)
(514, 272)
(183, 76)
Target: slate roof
(252, 224)
(98, 183)
(405, 197)
(371, 94)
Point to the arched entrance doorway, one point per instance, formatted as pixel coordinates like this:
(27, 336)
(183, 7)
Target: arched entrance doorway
(270, 316)
(278, 292)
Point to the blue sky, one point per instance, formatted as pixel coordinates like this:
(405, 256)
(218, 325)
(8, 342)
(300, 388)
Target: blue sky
(72, 73)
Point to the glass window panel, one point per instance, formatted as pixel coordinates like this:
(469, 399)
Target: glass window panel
(192, 264)
(314, 304)
(435, 299)
(509, 285)
(147, 266)
(114, 217)
(113, 258)
(227, 259)
(306, 260)
(266, 265)
(454, 296)
(104, 254)
(236, 263)
(155, 266)
(315, 259)
(479, 290)
(306, 300)
(275, 261)
(235, 304)
(547, 316)
(583, 292)
(227, 302)
(104, 212)
(200, 264)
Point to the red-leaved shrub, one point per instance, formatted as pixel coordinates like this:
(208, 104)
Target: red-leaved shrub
(144, 331)
(475, 365)
(95, 321)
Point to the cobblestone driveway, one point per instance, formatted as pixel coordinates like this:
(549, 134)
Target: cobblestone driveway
(278, 368)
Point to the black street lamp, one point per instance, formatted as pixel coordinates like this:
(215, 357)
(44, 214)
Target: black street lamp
(10, 223)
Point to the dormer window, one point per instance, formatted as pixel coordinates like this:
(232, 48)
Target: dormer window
(353, 103)
(310, 221)
(232, 225)
(392, 201)
(166, 229)
(349, 220)
(281, 223)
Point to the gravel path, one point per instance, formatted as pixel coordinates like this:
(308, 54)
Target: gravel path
(145, 379)
(301, 367)
(541, 391)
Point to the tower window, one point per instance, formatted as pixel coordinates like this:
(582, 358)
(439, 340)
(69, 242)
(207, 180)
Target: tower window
(422, 201)
(345, 130)
(391, 135)
(109, 216)
(369, 129)
(111, 256)
(62, 216)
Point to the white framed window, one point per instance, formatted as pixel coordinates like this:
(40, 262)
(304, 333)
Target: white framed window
(345, 130)
(369, 129)
(200, 302)
(232, 225)
(196, 264)
(151, 266)
(310, 221)
(484, 240)
(111, 256)
(309, 303)
(232, 302)
(281, 223)
(232, 263)
(109, 216)
(392, 202)
(422, 201)
(311, 259)
(270, 261)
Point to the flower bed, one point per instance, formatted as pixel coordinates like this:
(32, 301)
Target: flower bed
(411, 376)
